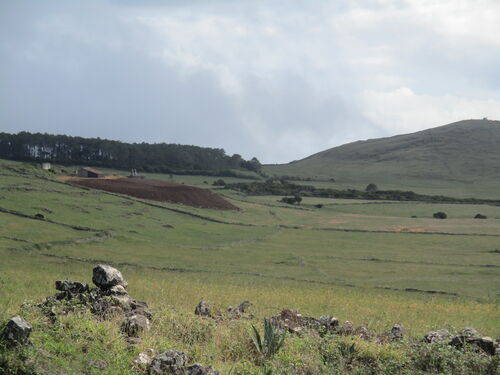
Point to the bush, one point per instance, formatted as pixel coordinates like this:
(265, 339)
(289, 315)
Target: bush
(439, 215)
(480, 216)
(371, 187)
(219, 182)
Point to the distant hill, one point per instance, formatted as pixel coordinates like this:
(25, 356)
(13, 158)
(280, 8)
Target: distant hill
(463, 156)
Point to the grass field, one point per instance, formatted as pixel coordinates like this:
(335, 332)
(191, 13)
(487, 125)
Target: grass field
(352, 259)
(459, 160)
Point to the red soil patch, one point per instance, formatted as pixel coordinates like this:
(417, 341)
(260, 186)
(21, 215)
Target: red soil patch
(159, 191)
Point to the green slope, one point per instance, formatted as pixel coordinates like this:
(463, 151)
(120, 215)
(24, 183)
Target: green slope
(461, 158)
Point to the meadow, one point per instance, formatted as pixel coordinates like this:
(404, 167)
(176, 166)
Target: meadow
(375, 264)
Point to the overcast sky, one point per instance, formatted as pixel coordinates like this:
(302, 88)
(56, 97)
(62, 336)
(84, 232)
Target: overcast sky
(274, 79)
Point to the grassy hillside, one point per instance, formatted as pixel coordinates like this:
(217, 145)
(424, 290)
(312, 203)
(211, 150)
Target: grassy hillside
(461, 159)
(373, 264)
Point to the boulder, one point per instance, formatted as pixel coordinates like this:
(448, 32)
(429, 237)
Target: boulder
(239, 310)
(294, 322)
(471, 336)
(198, 369)
(17, 331)
(134, 325)
(171, 362)
(398, 331)
(145, 358)
(203, 309)
(71, 286)
(346, 329)
(363, 332)
(329, 322)
(437, 336)
(105, 277)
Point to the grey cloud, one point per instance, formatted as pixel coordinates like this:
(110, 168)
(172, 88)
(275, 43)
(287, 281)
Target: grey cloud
(277, 80)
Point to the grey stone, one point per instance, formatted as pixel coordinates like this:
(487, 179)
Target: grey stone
(198, 369)
(135, 324)
(363, 332)
(105, 277)
(17, 331)
(71, 286)
(437, 336)
(329, 322)
(398, 331)
(347, 328)
(203, 309)
(471, 336)
(143, 359)
(171, 362)
(118, 290)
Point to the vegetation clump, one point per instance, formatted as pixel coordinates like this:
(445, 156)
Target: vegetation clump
(439, 215)
(280, 186)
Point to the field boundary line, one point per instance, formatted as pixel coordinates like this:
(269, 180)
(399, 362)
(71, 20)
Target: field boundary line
(46, 220)
(401, 232)
(236, 273)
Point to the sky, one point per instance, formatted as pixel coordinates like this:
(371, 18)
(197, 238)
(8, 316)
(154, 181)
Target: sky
(278, 80)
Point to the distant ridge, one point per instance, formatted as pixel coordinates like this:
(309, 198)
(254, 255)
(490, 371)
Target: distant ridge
(464, 152)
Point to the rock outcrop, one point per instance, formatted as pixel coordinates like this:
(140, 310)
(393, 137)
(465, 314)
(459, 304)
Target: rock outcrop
(294, 322)
(437, 336)
(203, 309)
(106, 277)
(17, 332)
(174, 362)
(471, 336)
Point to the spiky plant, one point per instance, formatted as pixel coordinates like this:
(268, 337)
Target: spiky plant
(269, 344)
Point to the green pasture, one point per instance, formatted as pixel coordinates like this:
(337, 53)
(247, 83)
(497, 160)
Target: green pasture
(353, 259)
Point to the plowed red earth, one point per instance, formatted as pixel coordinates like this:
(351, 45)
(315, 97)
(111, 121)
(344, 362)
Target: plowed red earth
(159, 191)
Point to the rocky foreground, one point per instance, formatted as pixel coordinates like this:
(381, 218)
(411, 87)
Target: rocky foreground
(109, 300)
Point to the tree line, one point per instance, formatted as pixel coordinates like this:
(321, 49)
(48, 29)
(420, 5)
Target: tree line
(157, 157)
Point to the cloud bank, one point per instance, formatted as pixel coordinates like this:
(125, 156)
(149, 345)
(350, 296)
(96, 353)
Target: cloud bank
(278, 80)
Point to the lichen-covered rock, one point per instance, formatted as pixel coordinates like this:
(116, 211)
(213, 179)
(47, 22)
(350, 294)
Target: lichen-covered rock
(135, 324)
(17, 332)
(240, 310)
(203, 309)
(145, 358)
(105, 277)
(471, 336)
(294, 322)
(71, 286)
(398, 332)
(198, 369)
(437, 336)
(329, 322)
(363, 332)
(346, 329)
(117, 290)
(171, 362)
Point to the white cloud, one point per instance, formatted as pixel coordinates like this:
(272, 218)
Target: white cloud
(402, 110)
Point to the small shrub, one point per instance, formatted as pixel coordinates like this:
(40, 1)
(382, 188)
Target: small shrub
(480, 216)
(318, 206)
(219, 182)
(371, 188)
(440, 215)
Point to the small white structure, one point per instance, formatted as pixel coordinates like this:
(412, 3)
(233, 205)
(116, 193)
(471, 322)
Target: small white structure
(46, 166)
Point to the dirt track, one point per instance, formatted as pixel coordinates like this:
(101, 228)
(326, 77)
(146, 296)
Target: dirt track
(159, 191)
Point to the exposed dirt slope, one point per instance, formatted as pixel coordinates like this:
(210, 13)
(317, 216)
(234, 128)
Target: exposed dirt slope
(159, 191)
